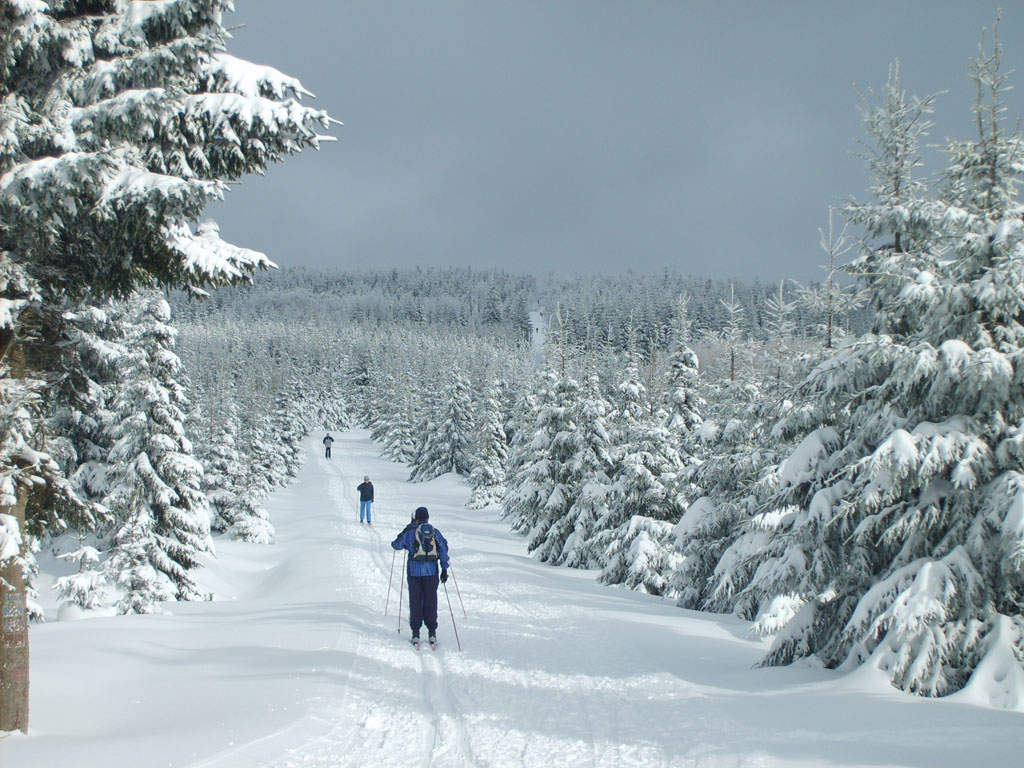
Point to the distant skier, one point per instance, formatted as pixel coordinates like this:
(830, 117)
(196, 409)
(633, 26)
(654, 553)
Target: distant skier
(328, 442)
(427, 549)
(365, 489)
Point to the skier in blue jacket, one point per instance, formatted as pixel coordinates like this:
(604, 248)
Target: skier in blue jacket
(427, 550)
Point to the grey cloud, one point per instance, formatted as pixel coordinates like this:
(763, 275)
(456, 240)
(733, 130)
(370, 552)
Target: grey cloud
(709, 137)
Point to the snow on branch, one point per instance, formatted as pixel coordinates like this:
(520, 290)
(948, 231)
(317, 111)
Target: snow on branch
(226, 73)
(207, 257)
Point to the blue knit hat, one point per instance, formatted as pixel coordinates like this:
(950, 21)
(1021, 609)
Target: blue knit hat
(421, 514)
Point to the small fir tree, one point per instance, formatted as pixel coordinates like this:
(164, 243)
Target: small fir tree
(488, 476)
(156, 498)
(445, 443)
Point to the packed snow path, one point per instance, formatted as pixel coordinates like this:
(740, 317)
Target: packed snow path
(296, 666)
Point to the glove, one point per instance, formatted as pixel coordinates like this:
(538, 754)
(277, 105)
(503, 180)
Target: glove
(444, 575)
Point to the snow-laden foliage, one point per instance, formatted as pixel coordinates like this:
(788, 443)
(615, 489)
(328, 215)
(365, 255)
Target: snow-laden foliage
(711, 534)
(228, 481)
(564, 527)
(644, 486)
(898, 221)
(399, 439)
(538, 471)
(119, 122)
(90, 372)
(123, 120)
(682, 401)
(88, 586)
(488, 475)
(891, 532)
(445, 433)
(161, 515)
(642, 556)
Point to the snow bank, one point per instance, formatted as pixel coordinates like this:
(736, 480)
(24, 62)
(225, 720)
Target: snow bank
(998, 680)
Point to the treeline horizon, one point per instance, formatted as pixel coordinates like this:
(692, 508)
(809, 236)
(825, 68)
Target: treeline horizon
(592, 309)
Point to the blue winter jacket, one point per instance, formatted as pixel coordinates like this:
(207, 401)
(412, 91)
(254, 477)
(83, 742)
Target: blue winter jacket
(407, 540)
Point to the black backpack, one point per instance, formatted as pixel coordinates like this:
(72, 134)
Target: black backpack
(426, 544)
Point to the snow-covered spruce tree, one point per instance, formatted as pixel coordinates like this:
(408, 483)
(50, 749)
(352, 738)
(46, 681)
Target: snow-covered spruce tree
(88, 585)
(513, 395)
(427, 423)
(898, 221)
(904, 498)
(226, 483)
(833, 300)
(632, 540)
(384, 395)
(732, 334)
(120, 121)
(519, 428)
(250, 521)
(231, 484)
(445, 444)
(537, 469)
(328, 397)
(564, 532)
(261, 450)
(91, 376)
(488, 476)
(779, 327)
(221, 469)
(734, 453)
(160, 512)
(400, 438)
(81, 427)
(642, 555)
(288, 427)
(630, 401)
(682, 401)
(359, 376)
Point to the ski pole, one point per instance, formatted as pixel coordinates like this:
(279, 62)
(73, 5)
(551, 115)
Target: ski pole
(401, 586)
(390, 579)
(458, 592)
(452, 613)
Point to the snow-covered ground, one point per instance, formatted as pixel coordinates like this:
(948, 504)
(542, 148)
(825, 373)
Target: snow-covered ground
(295, 665)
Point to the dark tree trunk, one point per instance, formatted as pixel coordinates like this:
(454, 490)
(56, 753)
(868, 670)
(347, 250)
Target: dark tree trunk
(14, 606)
(14, 633)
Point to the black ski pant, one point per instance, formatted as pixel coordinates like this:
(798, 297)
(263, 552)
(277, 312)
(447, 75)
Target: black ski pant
(423, 603)
(327, 451)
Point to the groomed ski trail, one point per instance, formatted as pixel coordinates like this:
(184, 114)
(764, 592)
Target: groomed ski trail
(443, 732)
(295, 665)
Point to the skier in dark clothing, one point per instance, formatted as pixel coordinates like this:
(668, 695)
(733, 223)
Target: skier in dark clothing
(427, 550)
(328, 442)
(365, 489)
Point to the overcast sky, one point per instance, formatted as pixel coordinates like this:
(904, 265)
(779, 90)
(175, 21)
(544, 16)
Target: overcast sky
(594, 135)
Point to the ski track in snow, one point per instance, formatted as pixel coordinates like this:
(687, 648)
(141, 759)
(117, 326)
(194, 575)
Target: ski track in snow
(296, 665)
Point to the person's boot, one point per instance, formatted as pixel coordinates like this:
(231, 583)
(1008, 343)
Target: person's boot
(432, 639)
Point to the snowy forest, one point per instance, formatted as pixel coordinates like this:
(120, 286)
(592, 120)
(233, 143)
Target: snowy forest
(840, 463)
